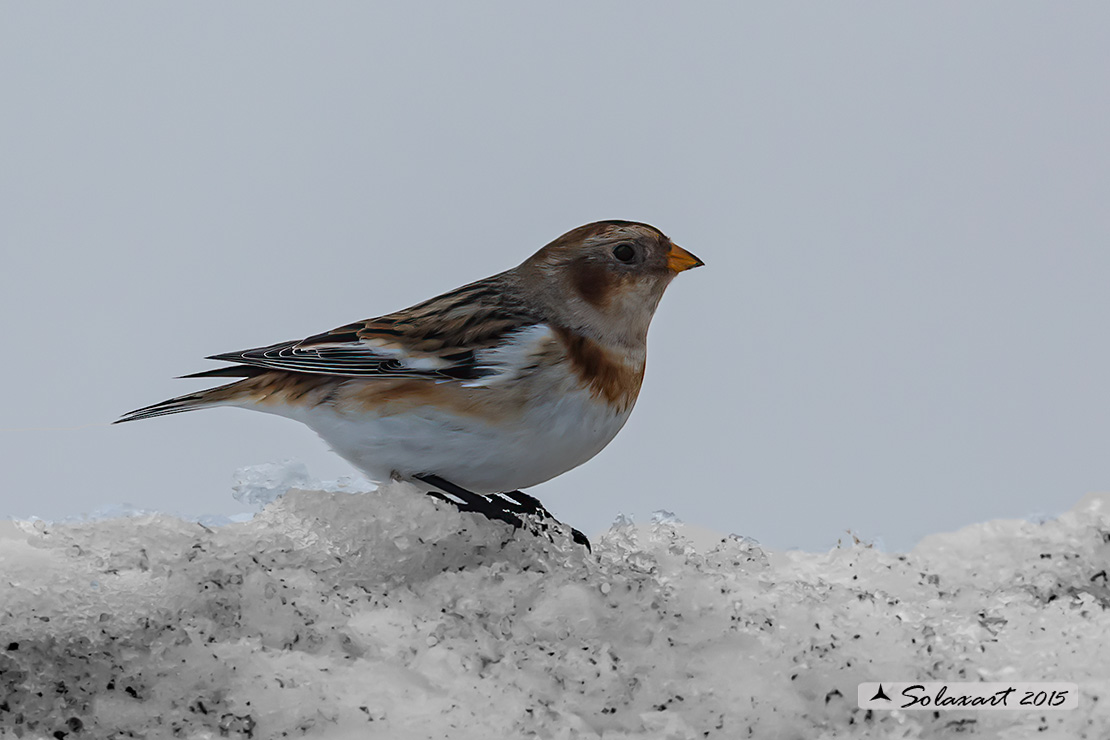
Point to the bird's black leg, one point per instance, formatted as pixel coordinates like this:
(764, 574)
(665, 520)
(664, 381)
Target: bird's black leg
(468, 500)
(522, 503)
(506, 507)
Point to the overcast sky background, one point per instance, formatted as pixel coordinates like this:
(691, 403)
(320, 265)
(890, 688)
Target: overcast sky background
(901, 327)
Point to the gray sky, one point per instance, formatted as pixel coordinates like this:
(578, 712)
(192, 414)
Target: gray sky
(901, 327)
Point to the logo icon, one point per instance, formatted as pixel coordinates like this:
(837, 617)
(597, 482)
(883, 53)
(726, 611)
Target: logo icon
(880, 694)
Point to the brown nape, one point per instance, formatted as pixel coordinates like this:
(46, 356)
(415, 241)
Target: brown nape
(606, 376)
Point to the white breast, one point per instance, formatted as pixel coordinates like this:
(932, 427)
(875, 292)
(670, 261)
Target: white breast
(553, 436)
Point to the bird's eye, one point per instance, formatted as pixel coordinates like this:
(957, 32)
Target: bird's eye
(624, 252)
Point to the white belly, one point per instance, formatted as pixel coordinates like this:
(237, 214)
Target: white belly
(548, 438)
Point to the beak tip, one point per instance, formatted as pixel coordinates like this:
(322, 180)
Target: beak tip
(679, 260)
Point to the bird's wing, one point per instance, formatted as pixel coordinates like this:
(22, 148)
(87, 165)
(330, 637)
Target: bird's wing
(476, 333)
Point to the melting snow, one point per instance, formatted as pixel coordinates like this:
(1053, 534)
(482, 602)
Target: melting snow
(387, 614)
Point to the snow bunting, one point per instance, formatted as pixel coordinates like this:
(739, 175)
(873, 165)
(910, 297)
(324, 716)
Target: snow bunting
(495, 386)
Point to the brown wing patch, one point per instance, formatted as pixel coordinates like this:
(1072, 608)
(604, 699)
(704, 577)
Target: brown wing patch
(434, 339)
(474, 316)
(606, 374)
(400, 396)
(383, 397)
(280, 387)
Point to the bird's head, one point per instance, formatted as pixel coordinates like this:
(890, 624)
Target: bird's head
(606, 278)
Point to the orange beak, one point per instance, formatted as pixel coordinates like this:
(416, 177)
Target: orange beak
(678, 259)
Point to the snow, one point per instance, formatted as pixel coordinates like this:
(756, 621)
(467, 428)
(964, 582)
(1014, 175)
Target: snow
(260, 484)
(336, 613)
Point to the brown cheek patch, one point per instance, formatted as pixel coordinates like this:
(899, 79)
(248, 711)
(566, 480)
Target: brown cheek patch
(606, 376)
(593, 282)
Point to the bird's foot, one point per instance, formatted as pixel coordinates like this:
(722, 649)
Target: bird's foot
(514, 507)
(521, 503)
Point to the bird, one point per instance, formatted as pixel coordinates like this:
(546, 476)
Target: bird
(496, 386)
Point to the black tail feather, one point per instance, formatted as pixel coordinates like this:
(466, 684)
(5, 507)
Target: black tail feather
(233, 371)
(218, 396)
(172, 406)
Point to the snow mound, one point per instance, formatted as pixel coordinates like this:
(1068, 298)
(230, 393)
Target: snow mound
(388, 614)
(258, 485)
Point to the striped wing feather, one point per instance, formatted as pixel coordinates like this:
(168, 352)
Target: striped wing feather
(439, 338)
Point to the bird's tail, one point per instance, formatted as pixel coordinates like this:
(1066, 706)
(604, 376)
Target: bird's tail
(220, 396)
